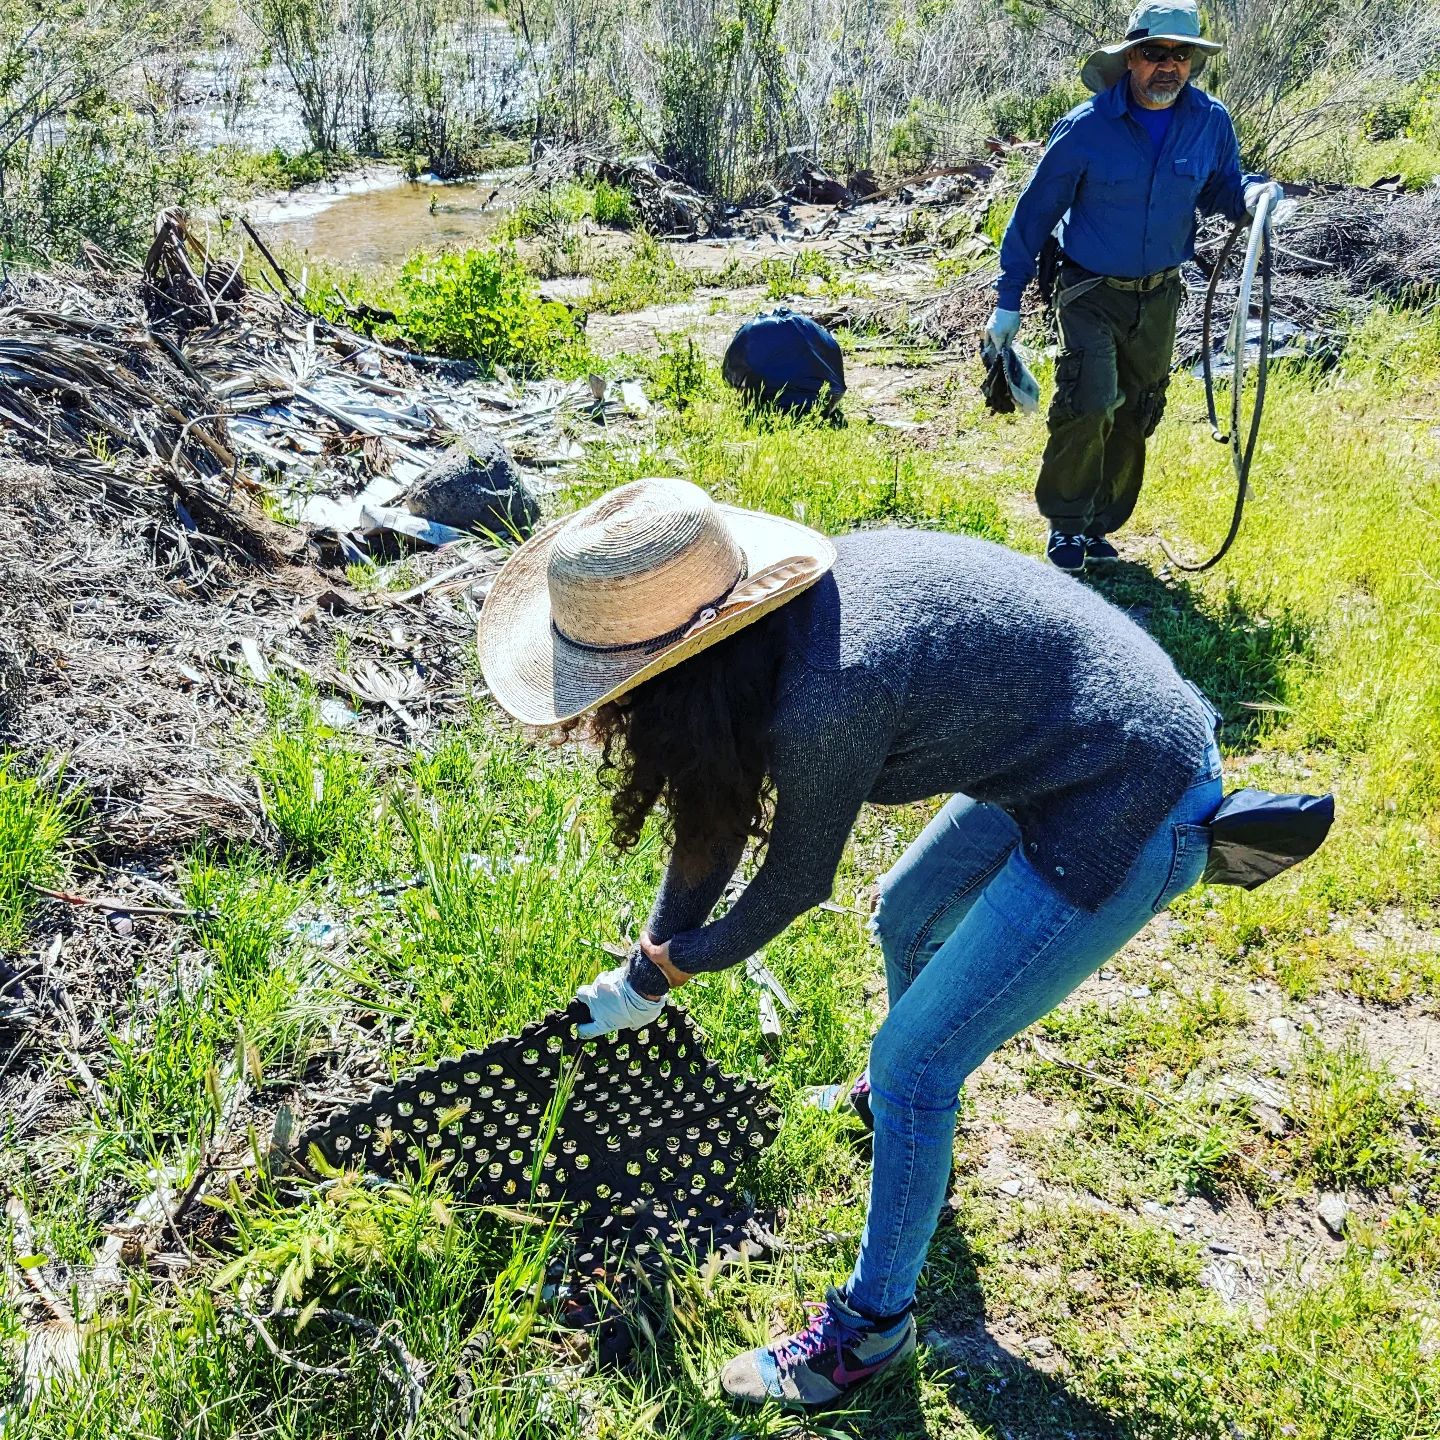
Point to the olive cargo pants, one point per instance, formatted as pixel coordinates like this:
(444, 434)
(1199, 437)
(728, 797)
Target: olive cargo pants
(1116, 347)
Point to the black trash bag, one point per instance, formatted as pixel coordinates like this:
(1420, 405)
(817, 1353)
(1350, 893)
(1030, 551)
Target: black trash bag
(787, 360)
(1255, 835)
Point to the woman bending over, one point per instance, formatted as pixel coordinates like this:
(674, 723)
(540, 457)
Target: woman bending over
(763, 683)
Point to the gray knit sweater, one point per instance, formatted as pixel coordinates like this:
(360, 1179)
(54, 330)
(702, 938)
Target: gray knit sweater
(926, 664)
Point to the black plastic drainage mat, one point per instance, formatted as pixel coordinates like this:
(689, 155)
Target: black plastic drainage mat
(643, 1154)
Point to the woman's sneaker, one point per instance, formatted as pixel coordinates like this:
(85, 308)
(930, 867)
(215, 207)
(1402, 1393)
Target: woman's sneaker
(831, 1097)
(834, 1354)
(860, 1101)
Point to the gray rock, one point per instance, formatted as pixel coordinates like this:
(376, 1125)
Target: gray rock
(475, 486)
(1333, 1212)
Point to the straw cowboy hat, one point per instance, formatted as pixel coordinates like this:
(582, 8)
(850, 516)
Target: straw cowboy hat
(1178, 21)
(636, 582)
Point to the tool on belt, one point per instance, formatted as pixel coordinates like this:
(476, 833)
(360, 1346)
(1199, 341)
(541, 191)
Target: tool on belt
(638, 1136)
(1239, 437)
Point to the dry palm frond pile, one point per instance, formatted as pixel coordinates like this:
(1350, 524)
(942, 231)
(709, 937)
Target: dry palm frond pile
(147, 422)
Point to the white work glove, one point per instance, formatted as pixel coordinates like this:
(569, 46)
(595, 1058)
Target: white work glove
(615, 1004)
(1003, 327)
(1281, 208)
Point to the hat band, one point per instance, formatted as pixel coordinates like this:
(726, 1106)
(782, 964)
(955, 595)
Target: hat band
(675, 634)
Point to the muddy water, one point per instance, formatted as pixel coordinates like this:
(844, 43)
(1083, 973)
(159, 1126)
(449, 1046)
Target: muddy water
(382, 226)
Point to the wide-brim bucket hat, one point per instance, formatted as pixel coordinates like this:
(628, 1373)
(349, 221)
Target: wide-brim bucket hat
(639, 580)
(1177, 21)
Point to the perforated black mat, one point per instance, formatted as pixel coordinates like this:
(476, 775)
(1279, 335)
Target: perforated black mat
(643, 1154)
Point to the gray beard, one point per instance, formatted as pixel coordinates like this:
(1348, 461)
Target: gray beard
(1163, 98)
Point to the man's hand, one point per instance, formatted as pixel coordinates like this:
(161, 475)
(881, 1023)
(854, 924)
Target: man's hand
(1281, 208)
(615, 1004)
(1003, 327)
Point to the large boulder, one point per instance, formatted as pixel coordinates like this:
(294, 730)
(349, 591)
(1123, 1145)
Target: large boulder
(475, 485)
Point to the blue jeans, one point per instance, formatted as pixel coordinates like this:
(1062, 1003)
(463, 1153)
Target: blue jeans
(977, 946)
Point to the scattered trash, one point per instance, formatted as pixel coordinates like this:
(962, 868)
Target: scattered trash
(769, 1016)
(1223, 1277)
(757, 971)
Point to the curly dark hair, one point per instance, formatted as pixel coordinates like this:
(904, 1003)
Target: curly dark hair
(696, 737)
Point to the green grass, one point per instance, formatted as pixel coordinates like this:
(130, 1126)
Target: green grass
(1351, 1119)
(315, 786)
(36, 821)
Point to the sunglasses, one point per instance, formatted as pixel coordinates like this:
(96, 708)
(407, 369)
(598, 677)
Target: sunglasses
(1157, 54)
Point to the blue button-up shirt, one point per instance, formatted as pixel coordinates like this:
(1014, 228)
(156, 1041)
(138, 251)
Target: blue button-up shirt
(1122, 209)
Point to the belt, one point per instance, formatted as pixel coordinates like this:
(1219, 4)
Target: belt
(1144, 284)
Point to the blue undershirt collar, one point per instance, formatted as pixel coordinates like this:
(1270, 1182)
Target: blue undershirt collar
(1155, 123)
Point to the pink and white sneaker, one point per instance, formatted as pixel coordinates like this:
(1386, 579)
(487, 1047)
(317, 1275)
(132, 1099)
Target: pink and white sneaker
(834, 1354)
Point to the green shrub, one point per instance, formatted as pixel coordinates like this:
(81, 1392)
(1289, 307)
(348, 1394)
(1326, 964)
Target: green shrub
(1032, 116)
(680, 374)
(915, 140)
(648, 275)
(248, 171)
(482, 305)
(783, 278)
(614, 206)
(103, 182)
(1412, 114)
(552, 210)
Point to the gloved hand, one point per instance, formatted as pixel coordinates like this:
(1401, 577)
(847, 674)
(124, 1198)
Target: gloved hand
(615, 1004)
(1002, 327)
(1281, 208)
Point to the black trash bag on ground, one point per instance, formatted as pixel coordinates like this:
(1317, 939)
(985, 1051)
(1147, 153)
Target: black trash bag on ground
(787, 360)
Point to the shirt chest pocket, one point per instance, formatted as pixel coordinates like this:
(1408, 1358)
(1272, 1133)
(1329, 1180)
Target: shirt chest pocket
(1188, 175)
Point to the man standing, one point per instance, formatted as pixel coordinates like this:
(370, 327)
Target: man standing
(1122, 177)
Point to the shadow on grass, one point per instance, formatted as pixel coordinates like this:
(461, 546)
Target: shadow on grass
(1247, 663)
(985, 1370)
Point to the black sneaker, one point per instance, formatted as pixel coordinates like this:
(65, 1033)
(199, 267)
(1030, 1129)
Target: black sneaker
(1099, 551)
(1066, 552)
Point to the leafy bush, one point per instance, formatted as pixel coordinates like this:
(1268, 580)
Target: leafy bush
(550, 211)
(276, 169)
(782, 278)
(679, 373)
(103, 182)
(648, 275)
(482, 305)
(1032, 116)
(614, 206)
